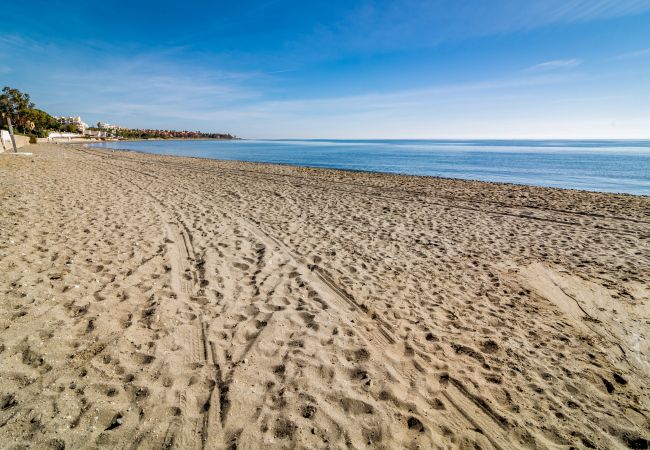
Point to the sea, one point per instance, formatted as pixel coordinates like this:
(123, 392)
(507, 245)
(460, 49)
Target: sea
(621, 166)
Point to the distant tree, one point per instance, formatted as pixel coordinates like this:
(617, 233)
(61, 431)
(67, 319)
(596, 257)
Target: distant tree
(15, 104)
(72, 128)
(41, 120)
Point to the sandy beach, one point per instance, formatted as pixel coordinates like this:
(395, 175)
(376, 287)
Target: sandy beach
(164, 302)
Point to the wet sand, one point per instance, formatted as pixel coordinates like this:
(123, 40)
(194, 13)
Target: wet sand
(163, 302)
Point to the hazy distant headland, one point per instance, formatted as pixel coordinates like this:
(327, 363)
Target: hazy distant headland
(136, 134)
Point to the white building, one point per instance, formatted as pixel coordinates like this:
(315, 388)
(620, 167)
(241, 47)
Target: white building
(71, 120)
(97, 133)
(63, 136)
(107, 126)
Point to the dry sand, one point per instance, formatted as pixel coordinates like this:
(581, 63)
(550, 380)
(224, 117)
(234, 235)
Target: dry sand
(161, 302)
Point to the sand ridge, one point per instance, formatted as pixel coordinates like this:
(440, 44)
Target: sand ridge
(154, 301)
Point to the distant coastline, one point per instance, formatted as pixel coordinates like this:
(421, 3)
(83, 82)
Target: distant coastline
(234, 138)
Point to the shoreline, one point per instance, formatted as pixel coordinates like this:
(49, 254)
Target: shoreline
(186, 302)
(397, 174)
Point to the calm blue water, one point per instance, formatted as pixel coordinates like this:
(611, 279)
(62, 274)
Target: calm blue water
(608, 166)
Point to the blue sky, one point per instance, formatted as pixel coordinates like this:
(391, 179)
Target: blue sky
(339, 69)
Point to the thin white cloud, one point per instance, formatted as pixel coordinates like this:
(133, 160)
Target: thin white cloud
(558, 64)
(635, 54)
(558, 11)
(17, 42)
(380, 25)
(147, 89)
(384, 104)
(489, 108)
(129, 98)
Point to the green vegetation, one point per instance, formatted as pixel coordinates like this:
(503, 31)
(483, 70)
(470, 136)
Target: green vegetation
(25, 117)
(170, 134)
